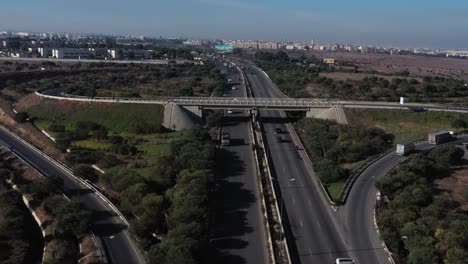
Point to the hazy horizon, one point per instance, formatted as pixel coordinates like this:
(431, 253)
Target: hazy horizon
(424, 24)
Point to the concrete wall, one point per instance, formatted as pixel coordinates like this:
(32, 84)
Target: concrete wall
(335, 113)
(181, 117)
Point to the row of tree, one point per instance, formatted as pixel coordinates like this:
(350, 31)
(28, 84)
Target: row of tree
(419, 225)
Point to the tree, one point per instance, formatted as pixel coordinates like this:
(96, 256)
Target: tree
(447, 155)
(459, 123)
(329, 172)
(85, 171)
(456, 255)
(422, 255)
(21, 117)
(72, 218)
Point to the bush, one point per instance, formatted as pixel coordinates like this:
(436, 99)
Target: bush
(56, 128)
(85, 172)
(21, 117)
(329, 172)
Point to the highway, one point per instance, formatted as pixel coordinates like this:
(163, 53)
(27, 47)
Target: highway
(315, 230)
(107, 225)
(239, 235)
(358, 212)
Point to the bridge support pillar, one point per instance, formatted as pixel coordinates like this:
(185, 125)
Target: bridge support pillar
(335, 113)
(178, 117)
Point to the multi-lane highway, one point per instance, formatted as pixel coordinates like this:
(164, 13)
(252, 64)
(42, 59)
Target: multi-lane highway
(314, 229)
(107, 226)
(239, 235)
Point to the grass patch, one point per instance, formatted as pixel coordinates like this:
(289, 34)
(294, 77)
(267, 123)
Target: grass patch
(92, 144)
(334, 189)
(117, 118)
(404, 124)
(154, 149)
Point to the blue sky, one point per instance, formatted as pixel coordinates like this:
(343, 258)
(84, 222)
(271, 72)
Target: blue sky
(403, 23)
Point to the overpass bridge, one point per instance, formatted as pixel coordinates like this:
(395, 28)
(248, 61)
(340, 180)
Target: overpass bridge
(192, 107)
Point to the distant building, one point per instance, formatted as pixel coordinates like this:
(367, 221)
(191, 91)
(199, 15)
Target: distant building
(22, 34)
(192, 42)
(45, 52)
(224, 48)
(119, 54)
(70, 53)
(268, 45)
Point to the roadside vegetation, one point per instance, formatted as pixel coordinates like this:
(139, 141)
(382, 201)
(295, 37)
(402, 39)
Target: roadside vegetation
(418, 223)
(122, 80)
(407, 125)
(338, 150)
(161, 180)
(20, 239)
(309, 77)
(64, 221)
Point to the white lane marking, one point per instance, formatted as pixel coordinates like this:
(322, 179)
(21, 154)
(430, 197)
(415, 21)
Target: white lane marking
(310, 251)
(334, 208)
(301, 222)
(294, 201)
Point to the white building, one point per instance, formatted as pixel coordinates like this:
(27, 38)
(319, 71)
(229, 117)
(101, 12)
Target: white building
(45, 52)
(118, 54)
(70, 53)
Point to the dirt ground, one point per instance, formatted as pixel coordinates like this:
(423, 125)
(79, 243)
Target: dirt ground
(454, 185)
(416, 65)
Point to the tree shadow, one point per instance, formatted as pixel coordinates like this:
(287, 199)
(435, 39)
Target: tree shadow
(231, 202)
(107, 229)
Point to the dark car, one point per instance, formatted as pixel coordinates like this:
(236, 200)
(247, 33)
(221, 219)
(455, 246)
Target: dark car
(279, 139)
(278, 130)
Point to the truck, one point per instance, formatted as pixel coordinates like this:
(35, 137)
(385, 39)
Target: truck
(439, 137)
(225, 139)
(404, 148)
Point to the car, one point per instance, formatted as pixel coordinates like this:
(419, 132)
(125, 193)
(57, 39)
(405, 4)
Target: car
(278, 130)
(229, 111)
(233, 87)
(344, 261)
(279, 139)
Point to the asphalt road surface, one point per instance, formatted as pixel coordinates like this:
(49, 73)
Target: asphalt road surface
(239, 235)
(314, 230)
(106, 226)
(358, 212)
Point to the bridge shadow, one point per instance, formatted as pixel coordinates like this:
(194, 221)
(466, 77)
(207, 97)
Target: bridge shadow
(275, 120)
(232, 200)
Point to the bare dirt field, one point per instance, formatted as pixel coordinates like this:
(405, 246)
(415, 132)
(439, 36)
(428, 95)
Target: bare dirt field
(416, 65)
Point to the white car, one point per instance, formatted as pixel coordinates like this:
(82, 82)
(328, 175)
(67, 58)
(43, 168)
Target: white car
(233, 87)
(344, 261)
(229, 111)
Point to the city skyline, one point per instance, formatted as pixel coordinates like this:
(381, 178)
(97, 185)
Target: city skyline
(425, 24)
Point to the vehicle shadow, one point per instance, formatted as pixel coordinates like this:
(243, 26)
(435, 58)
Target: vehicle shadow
(231, 202)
